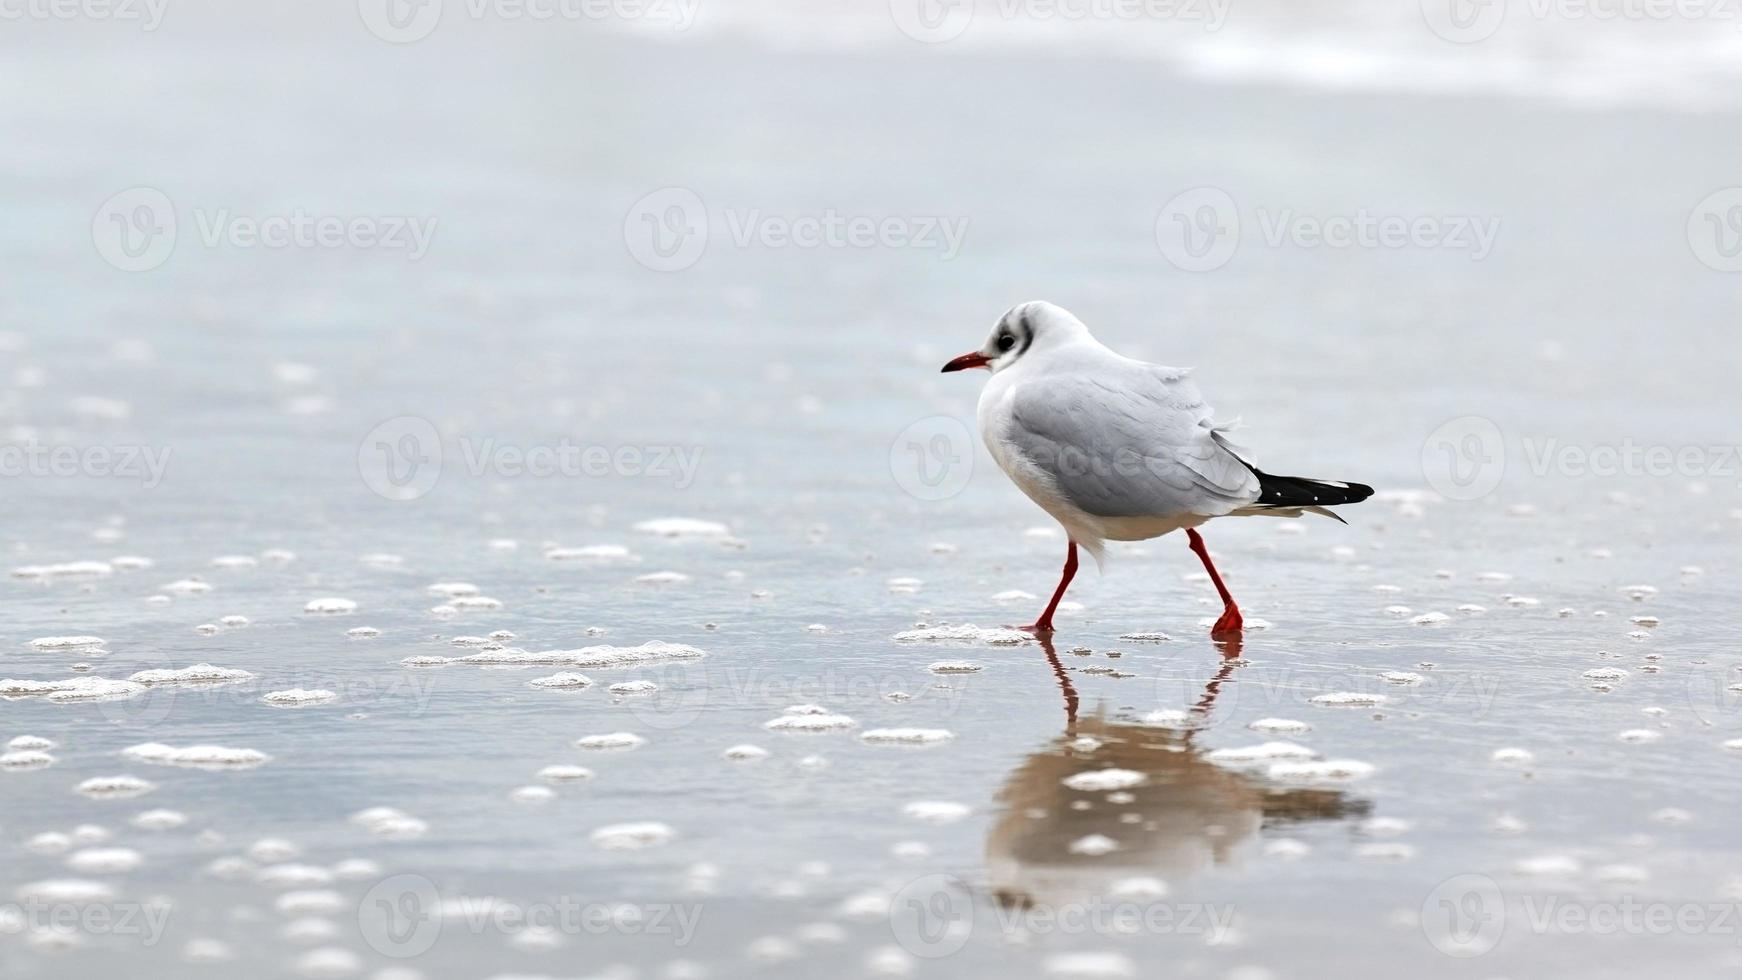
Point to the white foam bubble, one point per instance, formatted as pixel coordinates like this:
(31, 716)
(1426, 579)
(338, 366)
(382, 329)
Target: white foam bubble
(385, 821)
(1402, 678)
(633, 687)
(610, 741)
(909, 736)
(90, 689)
(590, 553)
(187, 586)
(1287, 849)
(1384, 826)
(745, 753)
(160, 819)
(599, 657)
(196, 756)
(70, 570)
(196, 674)
(1431, 619)
(1280, 726)
(452, 589)
(25, 759)
(1512, 756)
(532, 794)
(271, 849)
(1093, 845)
(297, 697)
(363, 632)
(935, 811)
(65, 891)
(426, 660)
(564, 773)
(80, 643)
(809, 722)
(1105, 780)
(967, 633)
(682, 527)
(1349, 699)
(954, 667)
(1639, 735)
(662, 578)
(1326, 771)
(565, 680)
(30, 743)
(632, 836)
(115, 787)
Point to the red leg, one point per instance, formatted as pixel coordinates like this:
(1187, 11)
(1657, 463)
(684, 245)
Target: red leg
(1230, 623)
(1044, 623)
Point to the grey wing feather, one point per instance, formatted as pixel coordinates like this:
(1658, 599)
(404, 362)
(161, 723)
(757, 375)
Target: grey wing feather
(1134, 443)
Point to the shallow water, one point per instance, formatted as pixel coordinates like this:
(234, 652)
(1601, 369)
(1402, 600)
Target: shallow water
(298, 398)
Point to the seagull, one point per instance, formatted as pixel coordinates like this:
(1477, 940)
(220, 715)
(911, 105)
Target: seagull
(1117, 449)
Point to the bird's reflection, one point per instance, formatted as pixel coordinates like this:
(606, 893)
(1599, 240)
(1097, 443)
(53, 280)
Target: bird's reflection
(1187, 815)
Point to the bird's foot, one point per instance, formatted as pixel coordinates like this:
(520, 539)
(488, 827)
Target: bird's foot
(1036, 629)
(1230, 625)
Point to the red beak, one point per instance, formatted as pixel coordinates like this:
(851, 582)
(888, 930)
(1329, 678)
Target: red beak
(966, 361)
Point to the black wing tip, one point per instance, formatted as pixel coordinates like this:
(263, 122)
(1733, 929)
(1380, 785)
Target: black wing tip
(1297, 491)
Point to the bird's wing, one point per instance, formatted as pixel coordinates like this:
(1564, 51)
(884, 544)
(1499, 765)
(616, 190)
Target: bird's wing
(1137, 441)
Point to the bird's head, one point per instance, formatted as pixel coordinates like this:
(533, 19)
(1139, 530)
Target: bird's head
(1023, 330)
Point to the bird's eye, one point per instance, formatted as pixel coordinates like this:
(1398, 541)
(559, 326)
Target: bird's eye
(1006, 341)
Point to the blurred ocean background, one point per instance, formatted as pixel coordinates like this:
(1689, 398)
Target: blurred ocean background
(608, 200)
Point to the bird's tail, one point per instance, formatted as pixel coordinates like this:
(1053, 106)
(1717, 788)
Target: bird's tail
(1292, 496)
